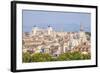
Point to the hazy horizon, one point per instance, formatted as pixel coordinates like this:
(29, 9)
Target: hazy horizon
(59, 21)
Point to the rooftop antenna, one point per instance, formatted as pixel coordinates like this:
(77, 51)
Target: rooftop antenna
(81, 27)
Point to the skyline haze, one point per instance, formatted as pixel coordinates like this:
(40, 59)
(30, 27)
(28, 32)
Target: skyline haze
(59, 21)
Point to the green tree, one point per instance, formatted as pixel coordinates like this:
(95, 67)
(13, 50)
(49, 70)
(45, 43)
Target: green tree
(26, 57)
(72, 56)
(75, 56)
(64, 56)
(41, 57)
(86, 56)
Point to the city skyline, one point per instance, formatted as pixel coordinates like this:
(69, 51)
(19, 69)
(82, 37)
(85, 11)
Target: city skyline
(59, 21)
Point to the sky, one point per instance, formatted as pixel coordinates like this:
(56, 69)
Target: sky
(59, 21)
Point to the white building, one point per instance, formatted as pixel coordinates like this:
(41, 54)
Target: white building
(61, 41)
(82, 34)
(34, 30)
(50, 30)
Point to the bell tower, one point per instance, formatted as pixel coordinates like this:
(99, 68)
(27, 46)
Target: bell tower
(82, 34)
(81, 27)
(49, 30)
(34, 30)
